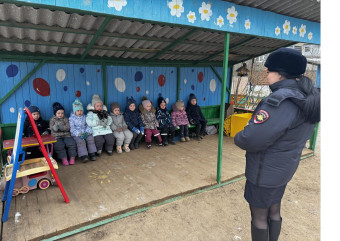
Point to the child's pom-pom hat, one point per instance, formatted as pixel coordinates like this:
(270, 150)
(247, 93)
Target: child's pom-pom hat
(192, 96)
(160, 100)
(96, 99)
(130, 101)
(33, 109)
(114, 105)
(77, 105)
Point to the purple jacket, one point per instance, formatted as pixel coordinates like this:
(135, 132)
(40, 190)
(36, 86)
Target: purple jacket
(179, 118)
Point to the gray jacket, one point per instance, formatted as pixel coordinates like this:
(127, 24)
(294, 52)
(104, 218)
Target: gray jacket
(118, 121)
(60, 127)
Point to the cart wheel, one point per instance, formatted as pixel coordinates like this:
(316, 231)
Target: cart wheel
(44, 184)
(24, 189)
(15, 192)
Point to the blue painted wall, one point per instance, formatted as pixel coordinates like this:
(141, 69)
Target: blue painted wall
(66, 82)
(221, 15)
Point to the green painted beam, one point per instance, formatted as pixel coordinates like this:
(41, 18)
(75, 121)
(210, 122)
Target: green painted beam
(96, 36)
(75, 59)
(220, 52)
(219, 77)
(222, 108)
(22, 81)
(170, 46)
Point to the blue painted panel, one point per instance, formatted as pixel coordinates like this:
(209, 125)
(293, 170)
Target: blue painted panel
(123, 81)
(318, 77)
(224, 16)
(67, 81)
(203, 83)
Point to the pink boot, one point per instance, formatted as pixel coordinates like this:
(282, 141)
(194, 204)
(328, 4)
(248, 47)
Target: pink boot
(64, 161)
(72, 160)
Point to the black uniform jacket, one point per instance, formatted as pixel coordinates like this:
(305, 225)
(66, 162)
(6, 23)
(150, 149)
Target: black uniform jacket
(275, 136)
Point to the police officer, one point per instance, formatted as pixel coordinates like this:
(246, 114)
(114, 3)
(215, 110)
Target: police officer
(274, 139)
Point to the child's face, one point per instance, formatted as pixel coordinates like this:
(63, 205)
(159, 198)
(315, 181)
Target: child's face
(162, 105)
(59, 114)
(79, 112)
(98, 106)
(181, 108)
(132, 107)
(193, 101)
(116, 111)
(35, 115)
(148, 107)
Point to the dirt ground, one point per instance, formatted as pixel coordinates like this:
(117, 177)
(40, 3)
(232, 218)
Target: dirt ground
(222, 214)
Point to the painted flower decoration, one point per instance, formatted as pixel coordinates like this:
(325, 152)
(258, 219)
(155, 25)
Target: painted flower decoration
(302, 30)
(310, 35)
(117, 4)
(220, 21)
(191, 17)
(247, 24)
(286, 27)
(277, 30)
(232, 15)
(176, 7)
(205, 11)
(294, 31)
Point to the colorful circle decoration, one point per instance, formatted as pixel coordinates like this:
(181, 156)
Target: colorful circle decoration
(147, 92)
(98, 70)
(167, 100)
(12, 110)
(204, 99)
(161, 80)
(88, 83)
(120, 84)
(138, 76)
(82, 70)
(41, 87)
(12, 70)
(60, 75)
(192, 70)
(138, 88)
(151, 72)
(27, 103)
(212, 85)
(200, 77)
(185, 81)
(65, 88)
(193, 87)
(78, 93)
(159, 94)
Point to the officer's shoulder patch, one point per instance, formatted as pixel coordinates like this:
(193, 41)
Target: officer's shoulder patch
(261, 116)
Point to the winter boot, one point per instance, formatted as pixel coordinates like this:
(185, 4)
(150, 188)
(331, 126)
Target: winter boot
(119, 149)
(187, 138)
(99, 152)
(136, 145)
(92, 156)
(165, 140)
(148, 145)
(132, 146)
(126, 148)
(84, 159)
(258, 234)
(110, 153)
(274, 229)
(183, 139)
(159, 144)
(198, 138)
(72, 160)
(65, 161)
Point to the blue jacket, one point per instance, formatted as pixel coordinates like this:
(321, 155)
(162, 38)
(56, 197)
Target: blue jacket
(133, 118)
(275, 136)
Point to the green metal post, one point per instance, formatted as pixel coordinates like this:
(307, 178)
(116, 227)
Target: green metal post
(104, 84)
(22, 81)
(178, 82)
(222, 108)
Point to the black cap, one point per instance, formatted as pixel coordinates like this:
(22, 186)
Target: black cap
(289, 61)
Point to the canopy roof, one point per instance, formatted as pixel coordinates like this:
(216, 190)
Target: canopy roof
(56, 35)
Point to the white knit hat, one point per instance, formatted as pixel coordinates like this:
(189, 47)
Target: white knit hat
(96, 99)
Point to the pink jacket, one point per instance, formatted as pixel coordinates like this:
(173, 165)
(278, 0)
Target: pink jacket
(179, 118)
